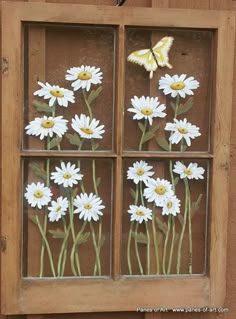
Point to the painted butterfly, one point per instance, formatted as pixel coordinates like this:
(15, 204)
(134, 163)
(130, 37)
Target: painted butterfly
(154, 57)
(119, 3)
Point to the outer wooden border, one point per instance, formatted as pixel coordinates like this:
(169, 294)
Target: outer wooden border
(74, 295)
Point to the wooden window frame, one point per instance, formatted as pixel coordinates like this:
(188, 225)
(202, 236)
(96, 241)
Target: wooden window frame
(118, 293)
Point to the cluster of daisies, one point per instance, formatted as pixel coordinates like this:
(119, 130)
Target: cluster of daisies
(159, 191)
(88, 206)
(47, 126)
(148, 108)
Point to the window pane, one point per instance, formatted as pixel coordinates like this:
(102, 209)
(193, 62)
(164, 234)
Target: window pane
(77, 62)
(187, 52)
(164, 217)
(67, 217)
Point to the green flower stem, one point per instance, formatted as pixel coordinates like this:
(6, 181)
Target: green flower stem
(165, 245)
(172, 244)
(71, 217)
(99, 242)
(96, 250)
(136, 249)
(63, 251)
(87, 103)
(155, 240)
(128, 248)
(183, 226)
(46, 245)
(141, 193)
(190, 233)
(148, 248)
(73, 250)
(143, 134)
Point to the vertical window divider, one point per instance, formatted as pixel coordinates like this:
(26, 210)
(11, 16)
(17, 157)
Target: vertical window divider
(119, 101)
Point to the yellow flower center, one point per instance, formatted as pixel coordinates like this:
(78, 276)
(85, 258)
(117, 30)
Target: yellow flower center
(182, 130)
(169, 204)
(58, 209)
(188, 171)
(177, 86)
(140, 213)
(38, 194)
(140, 172)
(57, 93)
(160, 190)
(67, 175)
(87, 130)
(84, 76)
(47, 124)
(88, 206)
(147, 111)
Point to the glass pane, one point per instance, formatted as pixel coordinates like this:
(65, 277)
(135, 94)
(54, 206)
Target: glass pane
(67, 217)
(179, 89)
(165, 205)
(68, 73)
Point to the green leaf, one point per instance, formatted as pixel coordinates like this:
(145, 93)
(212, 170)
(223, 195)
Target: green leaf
(141, 127)
(161, 225)
(38, 171)
(33, 219)
(95, 146)
(54, 142)
(173, 106)
(94, 94)
(101, 242)
(75, 191)
(154, 128)
(42, 107)
(57, 234)
(74, 139)
(148, 136)
(162, 142)
(141, 238)
(82, 238)
(98, 181)
(132, 193)
(176, 180)
(181, 219)
(183, 108)
(195, 205)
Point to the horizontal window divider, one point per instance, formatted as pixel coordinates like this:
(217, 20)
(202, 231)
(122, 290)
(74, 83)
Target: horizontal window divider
(68, 154)
(195, 155)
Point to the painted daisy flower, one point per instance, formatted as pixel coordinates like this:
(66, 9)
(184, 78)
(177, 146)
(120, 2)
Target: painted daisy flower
(47, 126)
(38, 195)
(86, 127)
(178, 85)
(58, 209)
(191, 172)
(139, 213)
(55, 93)
(157, 190)
(182, 129)
(88, 206)
(139, 172)
(84, 76)
(67, 175)
(147, 108)
(171, 206)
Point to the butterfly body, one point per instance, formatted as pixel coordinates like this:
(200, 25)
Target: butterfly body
(154, 57)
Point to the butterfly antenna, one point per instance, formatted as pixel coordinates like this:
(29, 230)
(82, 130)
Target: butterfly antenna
(120, 3)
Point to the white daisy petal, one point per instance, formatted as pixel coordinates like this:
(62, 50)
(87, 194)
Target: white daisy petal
(38, 195)
(157, 190)
(86, 128)
(58, 209)
(88, 206)
(178, 85)
(67, 176)
(182, 129)
(171, 205)
(190, 172)
(139, 172)
(140, 213)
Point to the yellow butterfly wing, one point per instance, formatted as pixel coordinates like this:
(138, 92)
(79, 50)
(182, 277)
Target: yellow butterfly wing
(161, 50)
(146, 57)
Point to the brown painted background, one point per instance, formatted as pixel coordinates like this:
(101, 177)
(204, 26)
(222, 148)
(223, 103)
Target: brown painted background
(230, 301)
